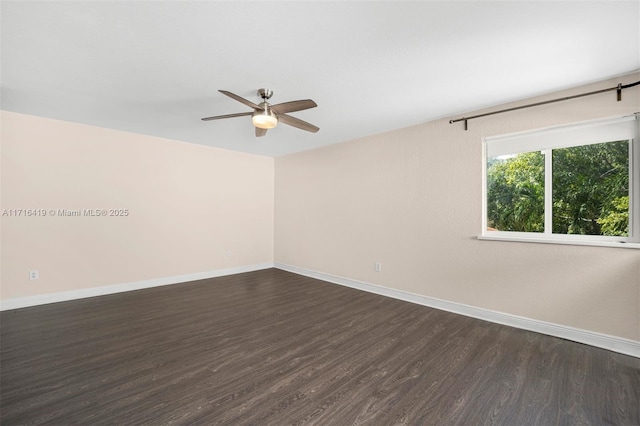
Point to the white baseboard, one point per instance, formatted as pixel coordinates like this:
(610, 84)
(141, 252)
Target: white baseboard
(612, 343)
(42, 299)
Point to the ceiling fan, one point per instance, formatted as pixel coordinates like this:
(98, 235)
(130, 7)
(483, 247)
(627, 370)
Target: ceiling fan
(266, 116)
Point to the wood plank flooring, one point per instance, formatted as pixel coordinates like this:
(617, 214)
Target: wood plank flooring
(275, 348)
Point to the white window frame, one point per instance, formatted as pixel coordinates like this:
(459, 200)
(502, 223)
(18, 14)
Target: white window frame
(576, 134)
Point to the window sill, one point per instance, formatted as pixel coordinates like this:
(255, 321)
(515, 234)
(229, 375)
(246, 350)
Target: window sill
(615, 244)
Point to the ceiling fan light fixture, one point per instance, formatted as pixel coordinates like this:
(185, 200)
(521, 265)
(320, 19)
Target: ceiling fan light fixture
(264, 119)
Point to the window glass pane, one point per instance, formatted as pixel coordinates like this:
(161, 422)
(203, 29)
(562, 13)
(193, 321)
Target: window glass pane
(515, 192)
(591, 189)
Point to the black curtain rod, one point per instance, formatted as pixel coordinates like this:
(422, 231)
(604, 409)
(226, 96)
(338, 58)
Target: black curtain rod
(618, 88)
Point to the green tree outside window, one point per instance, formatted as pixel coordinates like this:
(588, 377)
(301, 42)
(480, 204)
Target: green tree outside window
(590, 190)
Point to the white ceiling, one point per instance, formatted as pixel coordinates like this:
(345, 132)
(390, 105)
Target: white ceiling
(155, 67)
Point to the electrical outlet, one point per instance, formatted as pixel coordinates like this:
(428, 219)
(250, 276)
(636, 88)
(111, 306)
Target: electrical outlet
(34, 274)
(378, 267)
(228, 253)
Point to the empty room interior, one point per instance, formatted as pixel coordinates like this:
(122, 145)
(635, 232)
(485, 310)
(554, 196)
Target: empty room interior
(323, 213)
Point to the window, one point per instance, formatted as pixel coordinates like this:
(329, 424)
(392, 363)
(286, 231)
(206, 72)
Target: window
(577, 184)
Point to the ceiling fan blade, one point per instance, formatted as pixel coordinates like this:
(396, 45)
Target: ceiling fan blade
(260, 132)
(218, 117)
(296, 122)
(241, 100)
(292, 106)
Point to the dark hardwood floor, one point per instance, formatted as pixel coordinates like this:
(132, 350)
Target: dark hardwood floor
(275, 348)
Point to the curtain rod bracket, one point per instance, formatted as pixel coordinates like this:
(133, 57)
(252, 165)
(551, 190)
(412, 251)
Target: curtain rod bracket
(464, 120)
(619, 90)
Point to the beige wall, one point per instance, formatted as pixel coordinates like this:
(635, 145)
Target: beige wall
(188, 205)
(411, 199)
